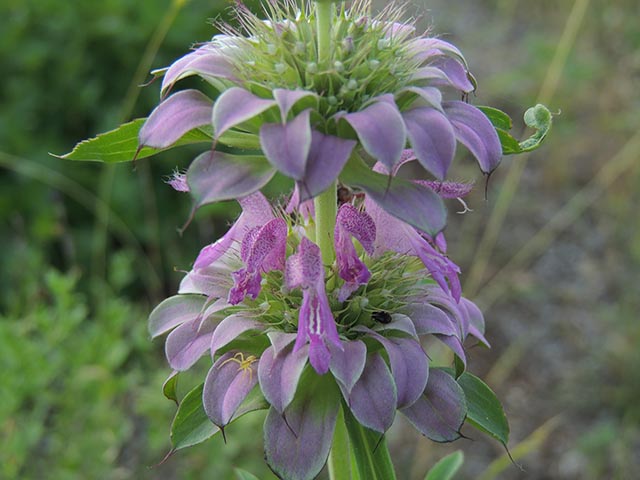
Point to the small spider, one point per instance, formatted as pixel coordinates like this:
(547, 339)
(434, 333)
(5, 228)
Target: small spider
(244, 363)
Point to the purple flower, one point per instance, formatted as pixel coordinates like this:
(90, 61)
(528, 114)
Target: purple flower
(396, 93)
(352, 223)
(316, 324)
(263, 250)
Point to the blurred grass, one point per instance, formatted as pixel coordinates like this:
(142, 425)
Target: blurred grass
(81, 383)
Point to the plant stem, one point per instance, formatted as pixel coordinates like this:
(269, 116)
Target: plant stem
(326, 204)
(323, 24)
(339, 462)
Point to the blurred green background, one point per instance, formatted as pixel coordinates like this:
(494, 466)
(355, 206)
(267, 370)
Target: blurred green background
(552, 256)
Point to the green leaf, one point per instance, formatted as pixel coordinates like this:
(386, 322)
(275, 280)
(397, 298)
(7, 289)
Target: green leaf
(191, 424)
(485, 411)
(509, 144)
(540, 118)
(446, 467)
(244, 475)
(498, 118)
(170, 387)
(369, 449)
(121, 144)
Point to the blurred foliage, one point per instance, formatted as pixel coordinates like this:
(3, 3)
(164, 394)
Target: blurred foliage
(81, 386)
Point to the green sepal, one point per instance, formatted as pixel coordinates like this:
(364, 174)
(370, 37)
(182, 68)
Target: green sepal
(446, 467)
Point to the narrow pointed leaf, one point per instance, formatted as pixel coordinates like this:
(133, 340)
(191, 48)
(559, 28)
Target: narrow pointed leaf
(297, 442)
(485, 411)
(287, 145)
(498, 118)
(217, 176)
(121, 144)
(439, 413)
(446, 467)
(415, 204)
(175, 311)
(174, 117)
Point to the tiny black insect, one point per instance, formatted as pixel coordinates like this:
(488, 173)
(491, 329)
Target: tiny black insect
(382, 317)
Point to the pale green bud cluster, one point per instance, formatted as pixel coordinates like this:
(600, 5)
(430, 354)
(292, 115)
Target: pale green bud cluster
(367, 58)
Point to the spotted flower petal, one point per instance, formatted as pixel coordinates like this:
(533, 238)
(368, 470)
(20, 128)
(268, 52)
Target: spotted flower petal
(352, 223)
(263, 250)
(316, 324)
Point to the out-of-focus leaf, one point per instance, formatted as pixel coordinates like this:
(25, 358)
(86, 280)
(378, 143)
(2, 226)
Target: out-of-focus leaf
(244, 475)
(446, 467)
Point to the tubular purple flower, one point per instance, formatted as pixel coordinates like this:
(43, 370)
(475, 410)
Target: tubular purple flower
(256, 211)
(397, 236)
(316, 324)
(351, 223)
(263, 250)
